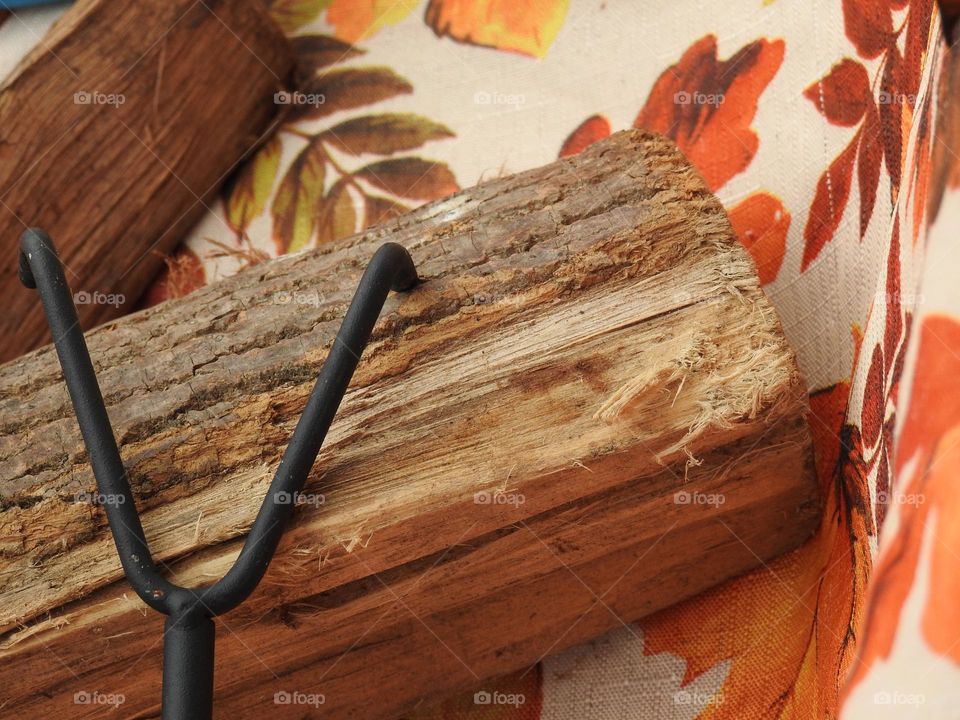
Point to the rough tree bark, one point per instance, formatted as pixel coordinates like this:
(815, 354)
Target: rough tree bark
(585, 413)
(117, 130)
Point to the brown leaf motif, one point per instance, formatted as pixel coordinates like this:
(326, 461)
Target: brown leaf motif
(249, 189)
(336, 214)
(315, 52)
(829, 202)
(846, 96)
(869, 26)
(411, 178)
(333, 188)
(869, 161)
(843, 96)
(344, 89)
(384, 134)
(300, 192)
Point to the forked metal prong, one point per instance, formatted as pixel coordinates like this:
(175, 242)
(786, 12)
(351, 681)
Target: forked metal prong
(189, 631)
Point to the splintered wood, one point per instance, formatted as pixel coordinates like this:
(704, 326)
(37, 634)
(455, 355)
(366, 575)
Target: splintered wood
(585, 413)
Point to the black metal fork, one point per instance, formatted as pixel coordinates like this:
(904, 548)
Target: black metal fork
(188, 646)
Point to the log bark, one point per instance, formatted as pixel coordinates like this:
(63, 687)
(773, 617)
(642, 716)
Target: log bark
(585, 413)
(116, 132)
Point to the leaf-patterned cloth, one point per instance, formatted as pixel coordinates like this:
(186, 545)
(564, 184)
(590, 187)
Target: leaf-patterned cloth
(814, 122)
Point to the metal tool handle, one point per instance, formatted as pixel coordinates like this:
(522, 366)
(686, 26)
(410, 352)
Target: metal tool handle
(189, 644)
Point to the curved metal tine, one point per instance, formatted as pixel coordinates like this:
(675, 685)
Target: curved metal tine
(390, 268)
(40, 268)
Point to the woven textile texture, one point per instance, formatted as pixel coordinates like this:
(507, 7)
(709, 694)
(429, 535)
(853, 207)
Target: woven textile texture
(815, 122)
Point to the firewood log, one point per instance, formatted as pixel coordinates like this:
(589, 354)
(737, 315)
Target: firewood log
(115, 135)
(586, 412)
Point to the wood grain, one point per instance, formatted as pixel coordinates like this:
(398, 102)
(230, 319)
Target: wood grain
(117, 130)
(585, 413)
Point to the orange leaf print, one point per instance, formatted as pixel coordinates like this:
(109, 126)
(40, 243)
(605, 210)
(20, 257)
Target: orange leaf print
(891, 117)
(827, 411)
(928, 450)
(843, 95)
(355, 20)
(595, 127)
(528, 28)
(915, 47)
(767, 613)
(843, 577)
(791, 618)
(829, 202)
(941, 618)
(706, 105)
(761, 224)
(918, 183)
(935, 397)
(869, 25)
(893, 327)
(871, 416)
(869, 159)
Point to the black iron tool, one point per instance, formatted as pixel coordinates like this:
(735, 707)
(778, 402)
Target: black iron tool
(188, 645)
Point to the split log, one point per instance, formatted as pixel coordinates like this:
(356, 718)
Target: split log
(117, 131)
(586, 412)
